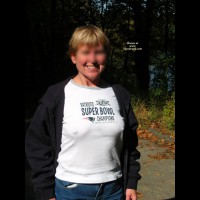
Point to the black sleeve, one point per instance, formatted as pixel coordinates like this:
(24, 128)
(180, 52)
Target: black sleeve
(133, 154)
(39, 154)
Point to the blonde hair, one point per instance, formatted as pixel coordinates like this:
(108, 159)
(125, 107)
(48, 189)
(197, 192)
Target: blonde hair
(88, 35)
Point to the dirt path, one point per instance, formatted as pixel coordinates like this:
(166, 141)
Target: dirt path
(157, 170)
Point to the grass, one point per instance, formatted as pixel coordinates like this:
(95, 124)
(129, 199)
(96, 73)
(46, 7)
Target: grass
(159, 115)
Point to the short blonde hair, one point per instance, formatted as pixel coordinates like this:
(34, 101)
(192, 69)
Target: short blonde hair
(88, 35)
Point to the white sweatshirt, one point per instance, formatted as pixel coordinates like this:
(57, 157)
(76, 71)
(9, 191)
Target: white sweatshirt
(91, 135)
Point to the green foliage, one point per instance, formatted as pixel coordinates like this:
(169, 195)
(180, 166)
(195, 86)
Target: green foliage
(157, 97)
(169, 113)
(154, 111)
(141, 112)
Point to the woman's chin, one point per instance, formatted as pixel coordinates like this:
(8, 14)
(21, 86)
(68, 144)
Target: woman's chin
(93, 74)
(93, 77)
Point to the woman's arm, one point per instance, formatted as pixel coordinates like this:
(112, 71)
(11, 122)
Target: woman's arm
(39, 153)
(133, 153)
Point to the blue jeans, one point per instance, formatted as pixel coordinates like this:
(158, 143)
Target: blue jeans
(112, 190)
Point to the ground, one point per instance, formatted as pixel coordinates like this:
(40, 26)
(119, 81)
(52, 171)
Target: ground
(157, 170)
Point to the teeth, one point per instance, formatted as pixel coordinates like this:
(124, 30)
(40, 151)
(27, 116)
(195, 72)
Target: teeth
(90, 66)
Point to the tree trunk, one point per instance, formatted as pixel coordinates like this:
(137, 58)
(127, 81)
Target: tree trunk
(142, 33)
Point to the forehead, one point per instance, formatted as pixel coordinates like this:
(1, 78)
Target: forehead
(90, 47)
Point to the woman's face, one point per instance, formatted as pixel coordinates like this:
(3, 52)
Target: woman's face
(90, 61)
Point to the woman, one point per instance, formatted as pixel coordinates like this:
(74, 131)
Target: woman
(81, 143)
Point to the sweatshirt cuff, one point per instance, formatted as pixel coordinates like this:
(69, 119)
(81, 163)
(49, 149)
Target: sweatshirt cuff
(132, 184)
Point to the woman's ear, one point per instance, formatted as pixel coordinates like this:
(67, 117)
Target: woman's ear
(73, 58)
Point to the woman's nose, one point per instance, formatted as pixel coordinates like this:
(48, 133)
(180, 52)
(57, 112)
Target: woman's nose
(92, 58)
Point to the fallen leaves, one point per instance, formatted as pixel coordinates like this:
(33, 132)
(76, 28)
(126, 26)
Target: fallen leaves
(160, 156)
(139, 195)
(170, 146)
(145, 134)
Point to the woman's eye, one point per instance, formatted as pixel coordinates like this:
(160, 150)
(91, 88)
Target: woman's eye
(85, 52)
(100, 52)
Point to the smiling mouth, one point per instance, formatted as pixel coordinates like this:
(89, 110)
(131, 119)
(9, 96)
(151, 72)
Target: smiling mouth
(92, 66)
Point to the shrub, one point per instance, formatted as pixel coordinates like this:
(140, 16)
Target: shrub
(169, 113)
(162, 112)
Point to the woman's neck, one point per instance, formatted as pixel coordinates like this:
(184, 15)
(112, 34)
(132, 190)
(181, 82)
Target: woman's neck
(81, 80)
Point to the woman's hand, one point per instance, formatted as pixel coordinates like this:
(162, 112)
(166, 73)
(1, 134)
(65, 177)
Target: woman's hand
(131, 194)
(53, 199)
